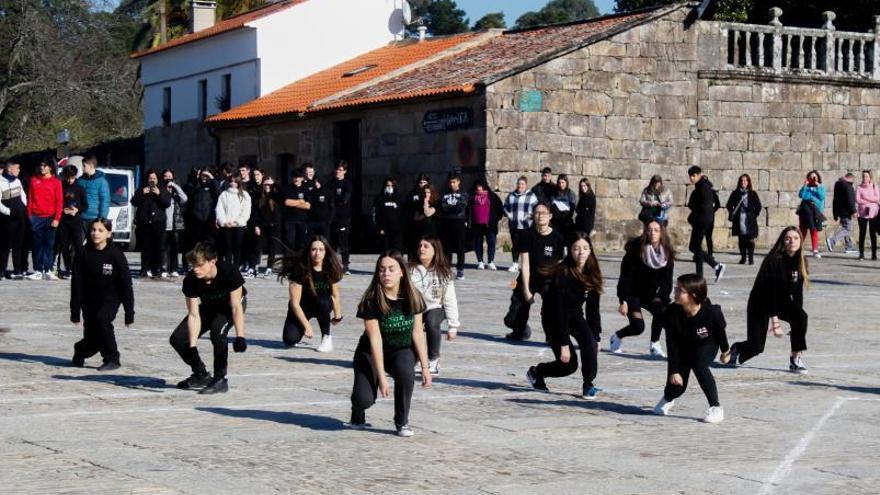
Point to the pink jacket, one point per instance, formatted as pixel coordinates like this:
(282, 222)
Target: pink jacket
(867, 197)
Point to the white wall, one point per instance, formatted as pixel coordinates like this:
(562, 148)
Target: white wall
(319, 34)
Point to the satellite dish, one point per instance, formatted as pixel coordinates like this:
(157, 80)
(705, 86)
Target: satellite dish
(407, 13)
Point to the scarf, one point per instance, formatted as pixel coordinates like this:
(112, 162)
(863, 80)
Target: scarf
(654, 258)
(10, 178)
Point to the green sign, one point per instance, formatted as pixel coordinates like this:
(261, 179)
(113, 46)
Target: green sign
(531, 100)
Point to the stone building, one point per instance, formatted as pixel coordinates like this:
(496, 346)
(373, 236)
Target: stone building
(616, 99)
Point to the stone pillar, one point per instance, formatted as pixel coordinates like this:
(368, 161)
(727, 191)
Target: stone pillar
(830, 48)
(776, 12)
(876, 51)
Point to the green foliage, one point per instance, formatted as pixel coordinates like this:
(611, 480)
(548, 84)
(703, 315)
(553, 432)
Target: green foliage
(558, 11)
(443, 17)
(494, 20)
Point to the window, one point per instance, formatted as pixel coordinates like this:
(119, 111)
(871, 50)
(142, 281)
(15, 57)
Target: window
(203, 99)
(224, 101)
(166, 106)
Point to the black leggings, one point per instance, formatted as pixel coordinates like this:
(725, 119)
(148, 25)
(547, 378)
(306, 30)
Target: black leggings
(98, 334)
(218, 324)
(588, 343)
(173, 243)
(151, 238)
(867, 225)
(699, 359)
(757, 323)
(433, 318)
(636, 326)
(399, 363)
(294, 330)
(699, 231)
(339, 236)
(69, 240)
(233, 239)
(746, 247)
(12, 236)
(454, 235)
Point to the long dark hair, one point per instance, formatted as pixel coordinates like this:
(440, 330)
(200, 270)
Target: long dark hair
(435, 196)
(374, 296)
(439, 263)
(267, 198)
(589, 186)
(748, 178)
(590, 277)
(298, 267)
(665, 241)
(655, 179)
(777, 252)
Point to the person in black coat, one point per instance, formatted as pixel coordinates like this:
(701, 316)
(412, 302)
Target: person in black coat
(644, 285)
(743, 207)
(485, 210)
(202, 192)
(453, 222)
(413, 215)
(151, 202)
(585, 211)
(101, 283)
(70, 235)
(778, 294)
(843, 208)
(702, 219)
(387, 216)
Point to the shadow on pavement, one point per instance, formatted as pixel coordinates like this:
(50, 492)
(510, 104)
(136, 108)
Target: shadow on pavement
(148, 383)
(326, 362)
(637, 357)
(591, 405)
(310, 421)
(847, 388)
(501, 339)
(32, 358)
(465, 382)
(268, 344)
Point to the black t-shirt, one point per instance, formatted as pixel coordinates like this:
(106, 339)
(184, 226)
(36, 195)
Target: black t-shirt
(323, 288)
(292, 192)
(543, 250)
(214, 294)
(395, 327)
(322, 206)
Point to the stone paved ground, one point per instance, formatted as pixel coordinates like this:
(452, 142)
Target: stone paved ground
(478, 430)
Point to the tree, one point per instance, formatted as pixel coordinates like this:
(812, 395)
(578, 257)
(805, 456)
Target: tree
(558, 11)
(443, 17)
(494, 20)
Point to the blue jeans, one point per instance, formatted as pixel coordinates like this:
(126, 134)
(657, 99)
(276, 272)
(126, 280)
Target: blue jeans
(480, 232)
(44, 243)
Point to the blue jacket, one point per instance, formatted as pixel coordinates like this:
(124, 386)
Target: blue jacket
(98, 195)
(816, 194)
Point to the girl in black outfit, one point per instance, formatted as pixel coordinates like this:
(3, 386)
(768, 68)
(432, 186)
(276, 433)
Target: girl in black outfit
(393, 335)
(387, 216)
(744, 206)
(313, 278)
(424, 221)
(268, 228)
(70, 231)
(101, 282)
(695, 331)
(151, 202)
(564, 203)
(645, 283)
(413, 213)
(576, 280)
(778, 294)
(585, 210)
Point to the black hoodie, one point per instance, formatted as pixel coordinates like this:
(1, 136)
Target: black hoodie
(685, 332)
(101, 277)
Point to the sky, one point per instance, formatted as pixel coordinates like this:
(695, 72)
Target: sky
(514, 8)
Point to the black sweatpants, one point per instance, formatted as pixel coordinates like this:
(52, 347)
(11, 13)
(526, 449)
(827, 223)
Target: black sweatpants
(69, 240)
(868, 225)
(269, 242)
(699, 360)
(339, 239)
(700, 231)
(173, 245)
(231, 247)
(151, 238)
(516, 236)
(433, 318)
(746, 247)
(757, 323)
(454, 237)
(294, 330)
(12, 232)
(588, 343)
(517, 317)
(295, 233)
(218, 324)
(392, 239)
(98, 333)
(636, 326)
(319, 229)
(399, 363)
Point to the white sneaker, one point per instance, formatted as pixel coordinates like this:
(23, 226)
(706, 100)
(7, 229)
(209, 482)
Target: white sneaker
(173, 274)
(405, 431)
(163, 275)
(326, 344)
(714, 414)
(492, 266)
(656, 350)
(513, 268)
(614, 345)
(267, 273)
(434, 367)
(663, 407)
(720, 268)
(50, 275)
(817, 255)
(149, 274)
(35, 276)
(481, 266)
(829, 245)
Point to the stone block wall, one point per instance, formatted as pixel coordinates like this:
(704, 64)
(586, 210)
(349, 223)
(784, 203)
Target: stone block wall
(180, 146)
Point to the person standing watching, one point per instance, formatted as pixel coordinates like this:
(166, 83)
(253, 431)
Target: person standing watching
(70, 233)
(174, 223)
(151, 202)
(94, 183)
(453, 213)
(519, 207)
(44, 209)
(296, 212)
(546, 189)
(743, 207)
(701, 218)
(340, 226)
(811, 210)
(868, 201)
(13, 219)
(843, 207)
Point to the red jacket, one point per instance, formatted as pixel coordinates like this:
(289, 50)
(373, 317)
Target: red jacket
(45, 198)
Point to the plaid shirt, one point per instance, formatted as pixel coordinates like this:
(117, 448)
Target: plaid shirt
(518, 208)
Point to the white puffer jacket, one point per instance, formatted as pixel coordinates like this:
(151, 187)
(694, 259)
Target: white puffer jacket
(437, 294)
(233, 207)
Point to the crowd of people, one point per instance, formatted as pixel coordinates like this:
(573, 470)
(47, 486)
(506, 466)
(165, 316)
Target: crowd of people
(225, 224)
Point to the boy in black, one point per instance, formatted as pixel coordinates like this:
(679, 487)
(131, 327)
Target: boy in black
(453, 213)
(540, 247)
(70, 235)
(321, 211)
(215, 301)
(101, 282)
(340, 226)
(702, 204)
(296, 212)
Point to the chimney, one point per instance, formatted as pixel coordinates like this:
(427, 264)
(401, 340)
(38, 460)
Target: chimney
(423, 30)
(202, 15)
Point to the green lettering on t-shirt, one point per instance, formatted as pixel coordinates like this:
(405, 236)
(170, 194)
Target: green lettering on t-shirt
(396, 329)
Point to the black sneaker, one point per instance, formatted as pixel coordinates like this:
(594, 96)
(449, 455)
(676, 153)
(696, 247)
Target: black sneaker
(734, 358)
(217, 386)
(796, 365)
(109, 366)
(195, 381)
(77, 361)
(535, 381)
(525, 335)
(720, 268)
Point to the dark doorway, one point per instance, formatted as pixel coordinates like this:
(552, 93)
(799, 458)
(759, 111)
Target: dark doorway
(347, 146)
(284, 167)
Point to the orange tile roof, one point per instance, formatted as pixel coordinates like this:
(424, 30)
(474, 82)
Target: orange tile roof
(224, 26)
(297, 97)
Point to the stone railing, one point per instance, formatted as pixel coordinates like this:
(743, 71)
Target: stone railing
(777, 49)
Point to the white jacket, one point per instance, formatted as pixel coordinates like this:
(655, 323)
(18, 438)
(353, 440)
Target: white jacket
(436, 293)
(8, 191)
(233, 207)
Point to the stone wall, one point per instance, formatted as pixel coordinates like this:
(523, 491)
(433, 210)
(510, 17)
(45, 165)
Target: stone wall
(180, 146)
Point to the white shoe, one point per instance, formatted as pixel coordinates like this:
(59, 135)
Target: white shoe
(35, 276)
(173, 274)
(405, 431)
(163, 275)
(513, 268)
(720, 268)
(267, 273)
(149, 274)
(829, 246)
(663, 407)
(50, 275)
(656, 350)
(714, 414)
(492, 266)
(326, 344)
(614, 345)
(817, 255)
(481, 266)
(434, 367)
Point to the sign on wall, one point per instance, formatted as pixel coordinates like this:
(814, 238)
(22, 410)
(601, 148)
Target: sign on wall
(531, 100)
(448, 119)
